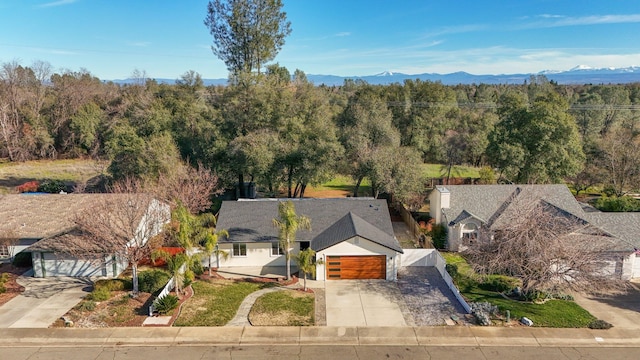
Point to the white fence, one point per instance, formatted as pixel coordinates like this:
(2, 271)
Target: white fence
(165, 291)
(431, 257)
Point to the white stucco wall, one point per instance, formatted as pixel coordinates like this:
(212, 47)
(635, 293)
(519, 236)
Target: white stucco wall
(258, 254)
(359, 246)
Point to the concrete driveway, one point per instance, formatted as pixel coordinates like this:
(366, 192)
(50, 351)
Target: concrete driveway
(43, 302)
(622, 311)
(365, 303)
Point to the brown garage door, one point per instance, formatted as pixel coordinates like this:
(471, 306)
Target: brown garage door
(356, 267)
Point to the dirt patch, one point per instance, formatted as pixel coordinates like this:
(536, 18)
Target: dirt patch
(325, 193)
(12, 288)
(120, 310)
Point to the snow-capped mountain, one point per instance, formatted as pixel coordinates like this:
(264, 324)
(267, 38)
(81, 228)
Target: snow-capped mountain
(581, 74)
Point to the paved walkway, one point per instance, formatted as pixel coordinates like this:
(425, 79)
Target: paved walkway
(242, 316)
(471, 336)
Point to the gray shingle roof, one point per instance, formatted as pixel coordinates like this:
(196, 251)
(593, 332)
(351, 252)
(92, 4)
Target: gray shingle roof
(484, 201)
(349, 226)
(624, 226)
(252, 220)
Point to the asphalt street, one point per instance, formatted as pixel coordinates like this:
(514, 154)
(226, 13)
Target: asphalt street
(310, 352)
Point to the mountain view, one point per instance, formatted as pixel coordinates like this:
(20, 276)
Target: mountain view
(580, 74)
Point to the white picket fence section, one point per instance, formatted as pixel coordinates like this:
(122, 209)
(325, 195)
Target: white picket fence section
(432, 257)
(171, 284)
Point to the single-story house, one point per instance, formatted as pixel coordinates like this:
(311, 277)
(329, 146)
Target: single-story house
(352, 236)
(43, 224)
(464, 209)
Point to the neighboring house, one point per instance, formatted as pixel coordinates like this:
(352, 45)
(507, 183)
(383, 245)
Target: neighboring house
(44, 226)
(353, 236)
(464, 209)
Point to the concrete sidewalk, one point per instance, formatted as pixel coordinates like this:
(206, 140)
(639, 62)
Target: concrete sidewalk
(431, 336)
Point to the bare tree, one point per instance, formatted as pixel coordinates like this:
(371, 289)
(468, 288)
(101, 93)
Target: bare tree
(123, 223)
(9, 240)
(191, 187)
(546, 247)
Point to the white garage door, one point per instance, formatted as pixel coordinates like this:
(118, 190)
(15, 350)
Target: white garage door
(54, 266)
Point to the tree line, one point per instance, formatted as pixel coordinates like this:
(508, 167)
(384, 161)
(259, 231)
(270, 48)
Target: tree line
(280, 131)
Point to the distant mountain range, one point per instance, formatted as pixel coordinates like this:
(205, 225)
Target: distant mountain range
(578, 75)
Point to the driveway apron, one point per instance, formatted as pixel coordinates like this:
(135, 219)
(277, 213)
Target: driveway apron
(364, 303)
(43, 302)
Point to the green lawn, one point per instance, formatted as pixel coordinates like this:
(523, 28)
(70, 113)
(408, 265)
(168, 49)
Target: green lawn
(346, 183)
(215, 302)
(70, 171)
(553, 313)
(283, 308)
(438, 170)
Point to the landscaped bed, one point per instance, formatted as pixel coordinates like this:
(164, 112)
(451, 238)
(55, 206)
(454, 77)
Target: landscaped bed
(283, 308)
(216, 301)
(549, 313)
(9, 287)
(119, 310)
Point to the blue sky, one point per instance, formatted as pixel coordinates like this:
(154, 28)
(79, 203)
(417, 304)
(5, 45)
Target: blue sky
(165, 38)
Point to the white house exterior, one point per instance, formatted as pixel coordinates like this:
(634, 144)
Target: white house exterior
(352, 236)
(44, 225)
(463, 209)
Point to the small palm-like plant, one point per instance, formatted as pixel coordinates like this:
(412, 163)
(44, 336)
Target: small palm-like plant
(307, 263)
(208, 237)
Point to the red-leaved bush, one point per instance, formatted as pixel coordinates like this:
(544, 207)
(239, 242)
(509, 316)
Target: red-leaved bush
(29, 186)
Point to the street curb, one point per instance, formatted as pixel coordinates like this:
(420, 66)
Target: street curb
(248, 335)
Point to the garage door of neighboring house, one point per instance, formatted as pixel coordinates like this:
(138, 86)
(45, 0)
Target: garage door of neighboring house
(356, 267)
(69, 267)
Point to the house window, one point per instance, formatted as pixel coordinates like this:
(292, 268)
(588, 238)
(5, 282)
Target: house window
(276, 249)
(469, 234)
(4, 251)
(304, 245)
(239, 249)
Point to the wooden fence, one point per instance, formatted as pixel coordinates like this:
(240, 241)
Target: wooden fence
(412, 224)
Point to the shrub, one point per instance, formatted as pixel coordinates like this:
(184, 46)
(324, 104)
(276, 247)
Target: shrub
(499, 283)
(166, 304)
(617, 204)
(487, 175)
(600, 324)
(452, 269)
(52, 186)
(87, 305)
(197, 268)
(22, 259)
(114, 284)
(153, 280)
(439, 236)
(482, 312)
(29, 186)
(100, 294)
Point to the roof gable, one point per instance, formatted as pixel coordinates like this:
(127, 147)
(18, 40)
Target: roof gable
(350, 226)
(488, 202)
(252, 220)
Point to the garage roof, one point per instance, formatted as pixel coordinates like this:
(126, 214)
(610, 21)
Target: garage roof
(351, 225)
